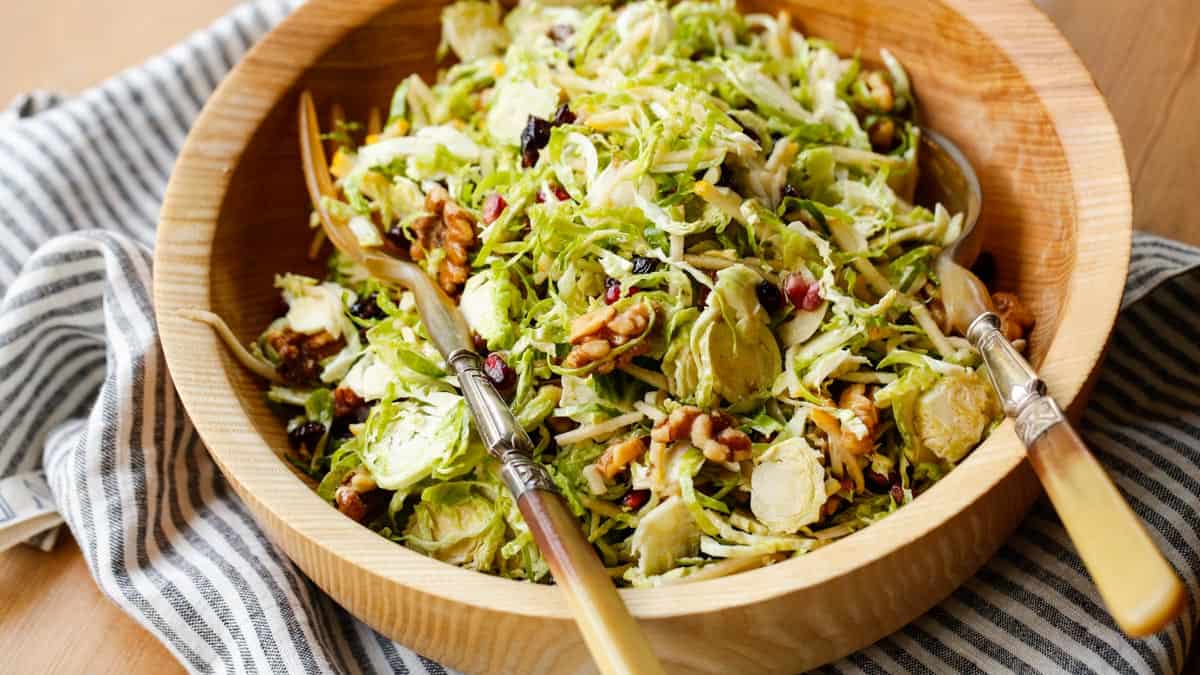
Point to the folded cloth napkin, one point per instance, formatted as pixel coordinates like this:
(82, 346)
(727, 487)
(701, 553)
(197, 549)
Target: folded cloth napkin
(87, 408)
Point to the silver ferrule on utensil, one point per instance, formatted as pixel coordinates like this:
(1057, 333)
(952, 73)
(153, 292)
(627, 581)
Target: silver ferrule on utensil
(498, 429)
(1021, 391)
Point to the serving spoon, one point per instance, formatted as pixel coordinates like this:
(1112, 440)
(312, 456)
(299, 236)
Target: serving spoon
(1141, 590)
(611, 633)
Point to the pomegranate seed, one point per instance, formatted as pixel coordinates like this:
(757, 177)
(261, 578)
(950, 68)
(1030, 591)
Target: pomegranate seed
(561, 193)
(812, 299)
(802, 293)
(795, 287)
(540, 198)
(493, 206)
(635, 499)
(633, 290)
(499, 372)
(612, 291)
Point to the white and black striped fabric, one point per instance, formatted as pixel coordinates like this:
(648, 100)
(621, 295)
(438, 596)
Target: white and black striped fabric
(87, 407)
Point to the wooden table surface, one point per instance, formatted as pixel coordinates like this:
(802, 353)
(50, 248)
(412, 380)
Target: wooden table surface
(1145, 56)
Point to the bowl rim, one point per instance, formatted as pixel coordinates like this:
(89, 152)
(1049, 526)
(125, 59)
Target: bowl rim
(192, 206)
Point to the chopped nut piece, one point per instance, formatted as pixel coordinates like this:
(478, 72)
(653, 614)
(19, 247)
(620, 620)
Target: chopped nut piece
(618, 456)
(1015, 318)
(346, 402)
(702, 430)
(712, 433)
(348, 496)
(350, 503)
(449, 227)
(855, 400)
(611, 328)
(631, 322)
(300, 355)
(738, 442)
(587, 353)
(587, 325)
(882, 135)
(677, 425)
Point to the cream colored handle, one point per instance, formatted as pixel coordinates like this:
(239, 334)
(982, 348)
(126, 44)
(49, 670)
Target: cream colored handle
(612, 634)
(1140, 588)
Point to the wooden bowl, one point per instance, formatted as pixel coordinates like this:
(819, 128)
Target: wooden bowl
(996, 77)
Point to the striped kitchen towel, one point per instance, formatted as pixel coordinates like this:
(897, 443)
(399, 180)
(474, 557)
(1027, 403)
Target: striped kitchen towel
(88, 409)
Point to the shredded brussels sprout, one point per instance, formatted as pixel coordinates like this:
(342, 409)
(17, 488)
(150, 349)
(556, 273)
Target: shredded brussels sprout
(685, 238)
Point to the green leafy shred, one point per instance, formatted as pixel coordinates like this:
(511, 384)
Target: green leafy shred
(715, 207)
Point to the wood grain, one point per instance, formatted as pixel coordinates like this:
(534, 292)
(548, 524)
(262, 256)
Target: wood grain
(1145, 57)
(996, 77)
(53, 619)
(67, 45)
(56, 44)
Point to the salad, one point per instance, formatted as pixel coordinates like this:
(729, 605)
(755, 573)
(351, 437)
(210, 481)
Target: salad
(685, 239)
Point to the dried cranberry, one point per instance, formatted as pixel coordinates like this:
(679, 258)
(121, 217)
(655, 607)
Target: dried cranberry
(897, 493)
(493, 206)
(612, 291)
(633, 290)
(560, 192)
(397, 237)
(790, 190)
(367, 307)
(499, 372)
(644, 264)
(534, 137)
(560, 33)
(769, 296)
(635, 499)
(563, 115)
(306, 435)
(802, 293)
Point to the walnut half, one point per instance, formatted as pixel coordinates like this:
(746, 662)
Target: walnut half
(855, 399)
(712, 433)
(596, 334)
(1016, 320)
(451, 228)
(348, 496)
